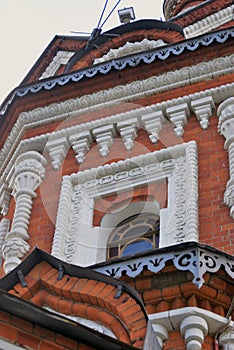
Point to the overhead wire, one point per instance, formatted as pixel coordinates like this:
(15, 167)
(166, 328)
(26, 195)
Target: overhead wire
(110, 13)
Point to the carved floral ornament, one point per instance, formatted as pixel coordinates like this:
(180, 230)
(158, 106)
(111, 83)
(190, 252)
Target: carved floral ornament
(77, 241)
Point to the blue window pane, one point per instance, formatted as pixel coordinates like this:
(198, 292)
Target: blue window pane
(137, 247)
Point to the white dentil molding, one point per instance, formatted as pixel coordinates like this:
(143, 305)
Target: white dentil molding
(210, 23)
(29, 173)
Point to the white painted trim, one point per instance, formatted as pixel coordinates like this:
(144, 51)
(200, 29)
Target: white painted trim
(172, 321)
(77, 241)
(127, 93)
(62, 57)
(210, 22)
(130, 48)
(5, 345)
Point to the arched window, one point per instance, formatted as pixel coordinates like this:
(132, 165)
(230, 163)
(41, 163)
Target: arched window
(133, 235)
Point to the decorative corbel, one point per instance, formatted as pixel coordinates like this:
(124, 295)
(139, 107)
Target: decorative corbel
(57, 149)
(128, 131)
(225, 113)
(203, 109)
(81, 144)
(29, 173)
(105, 138)
(194, 329)
(153, 123)
(178, 115)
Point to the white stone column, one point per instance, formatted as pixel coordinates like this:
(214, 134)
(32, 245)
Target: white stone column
(194, 329)
(29, 173)
(226, 128)
(226, 339)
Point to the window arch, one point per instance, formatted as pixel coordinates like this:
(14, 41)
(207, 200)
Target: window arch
(137, 233)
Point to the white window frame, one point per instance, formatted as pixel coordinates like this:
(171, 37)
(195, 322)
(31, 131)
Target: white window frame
(76, 240)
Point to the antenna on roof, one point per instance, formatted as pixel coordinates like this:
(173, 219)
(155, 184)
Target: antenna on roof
(97, 30)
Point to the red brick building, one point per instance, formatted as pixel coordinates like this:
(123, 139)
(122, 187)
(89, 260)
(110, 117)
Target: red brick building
(117, 188)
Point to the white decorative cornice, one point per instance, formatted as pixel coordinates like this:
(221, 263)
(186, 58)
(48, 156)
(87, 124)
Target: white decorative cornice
(29, 173)
(121, 63)
(210, 23)
(61, 58)
(130, 48)
(193, 323)
(127, 93)
(226, 128)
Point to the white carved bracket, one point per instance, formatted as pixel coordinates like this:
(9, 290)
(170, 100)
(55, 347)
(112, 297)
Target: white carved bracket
(203, 109)
(153, 123)
(128, 132)
(57, 149)
(105, 138)
(194, 328)
(178, 115)
(81, 143)
(226, 128)
(193, 323)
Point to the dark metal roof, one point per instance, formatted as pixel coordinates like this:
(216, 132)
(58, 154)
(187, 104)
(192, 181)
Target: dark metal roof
(126, 28)
(37, 255)
(49, 320)
(58, 324)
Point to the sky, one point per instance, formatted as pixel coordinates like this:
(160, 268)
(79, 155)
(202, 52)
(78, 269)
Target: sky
(28, 26)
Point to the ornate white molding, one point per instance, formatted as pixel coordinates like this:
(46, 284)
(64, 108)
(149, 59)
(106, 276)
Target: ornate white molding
(226, 128)
(128, 131)
(203, 109)
(178, 115)
(104, 136)
(29, 173)
(129, 92)
(61, 58)
(210, 23)
(57, 148)
(192, 322)
(80, 143)
(178, 223)
(130, 48)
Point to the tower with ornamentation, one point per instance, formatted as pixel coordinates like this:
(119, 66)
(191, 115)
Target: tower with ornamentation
(117, 188)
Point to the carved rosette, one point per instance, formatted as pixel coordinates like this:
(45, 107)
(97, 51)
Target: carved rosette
(29, 173)
(226, 128)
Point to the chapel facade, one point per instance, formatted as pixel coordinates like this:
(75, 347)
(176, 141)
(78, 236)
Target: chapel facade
(117, 188)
